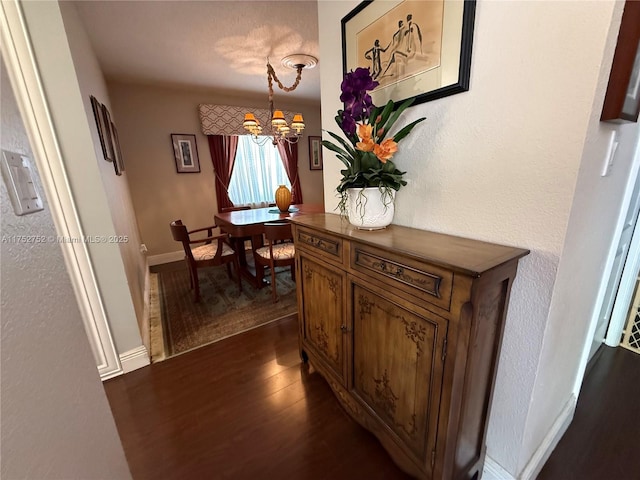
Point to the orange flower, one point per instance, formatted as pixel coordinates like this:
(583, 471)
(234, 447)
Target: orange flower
(385, 150)
(367, 143)
(365, 131)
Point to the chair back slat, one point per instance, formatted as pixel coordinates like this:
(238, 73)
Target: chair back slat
(278, 231)
(180, 234)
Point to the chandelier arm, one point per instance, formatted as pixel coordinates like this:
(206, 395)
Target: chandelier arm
(272, 74)
(260, 141)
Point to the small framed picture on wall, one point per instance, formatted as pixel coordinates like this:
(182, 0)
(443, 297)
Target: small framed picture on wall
(185, 152)
(100, 114)
(315, 153)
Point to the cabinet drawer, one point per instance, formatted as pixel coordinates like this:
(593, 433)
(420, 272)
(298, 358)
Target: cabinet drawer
(427, 282)
(319, 243)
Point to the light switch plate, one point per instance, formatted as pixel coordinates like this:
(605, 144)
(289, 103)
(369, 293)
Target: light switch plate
(610, 155)
(18, 177)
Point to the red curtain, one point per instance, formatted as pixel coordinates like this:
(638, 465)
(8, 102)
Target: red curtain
(223, 154)
(289, 154)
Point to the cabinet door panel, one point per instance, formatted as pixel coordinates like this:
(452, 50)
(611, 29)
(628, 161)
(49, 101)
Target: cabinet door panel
(323, 312)
(397, 365)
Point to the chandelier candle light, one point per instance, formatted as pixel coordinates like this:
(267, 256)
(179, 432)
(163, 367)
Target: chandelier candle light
(280, 129)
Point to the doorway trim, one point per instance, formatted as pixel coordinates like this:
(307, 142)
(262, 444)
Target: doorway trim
(624, 297)
(25, 80)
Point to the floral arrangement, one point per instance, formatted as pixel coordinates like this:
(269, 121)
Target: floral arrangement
(367, 153)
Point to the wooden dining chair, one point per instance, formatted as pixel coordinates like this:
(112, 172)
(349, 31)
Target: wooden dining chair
(279, 251)
(215, 251)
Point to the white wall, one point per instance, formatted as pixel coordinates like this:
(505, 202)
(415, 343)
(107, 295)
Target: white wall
(56, 421)
(574, 309)
(94, 197)
(501, 163)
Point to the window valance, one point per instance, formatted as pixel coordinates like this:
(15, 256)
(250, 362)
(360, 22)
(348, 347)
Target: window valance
(227, 119)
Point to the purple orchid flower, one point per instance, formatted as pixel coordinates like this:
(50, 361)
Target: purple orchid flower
(357, 102)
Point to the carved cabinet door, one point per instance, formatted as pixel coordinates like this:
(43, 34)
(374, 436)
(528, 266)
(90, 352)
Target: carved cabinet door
(323, 312)
(398, 354)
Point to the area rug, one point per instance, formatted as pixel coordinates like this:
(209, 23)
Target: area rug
(222, 310)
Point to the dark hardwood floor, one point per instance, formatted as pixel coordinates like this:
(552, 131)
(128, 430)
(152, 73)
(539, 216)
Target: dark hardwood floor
(603, 441)
(246, 408)
(242, 408)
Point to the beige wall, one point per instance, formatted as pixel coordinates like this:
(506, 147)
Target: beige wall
(116, 188)
(147, 116)
(70, 77)
(56, 421)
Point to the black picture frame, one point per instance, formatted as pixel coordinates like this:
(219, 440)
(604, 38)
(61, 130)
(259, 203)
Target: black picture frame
(119, 160)
(185, 152)
(109, 137)
(449, 58)
(315, 153)
(103, 131)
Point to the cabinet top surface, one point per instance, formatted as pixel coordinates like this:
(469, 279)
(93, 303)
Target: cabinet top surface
(472, 257)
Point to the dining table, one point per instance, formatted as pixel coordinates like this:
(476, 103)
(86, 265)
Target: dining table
(243, 225)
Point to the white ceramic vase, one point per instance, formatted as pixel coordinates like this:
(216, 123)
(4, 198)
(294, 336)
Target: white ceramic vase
(370, 208)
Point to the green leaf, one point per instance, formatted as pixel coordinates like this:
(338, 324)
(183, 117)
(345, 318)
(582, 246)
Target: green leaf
(369, 161)
(375, 111)
(357, 167)
(384, 116)
(389, 167)
(403, 106)
(333, 147)
(347, 146)
(343, 156)
(406, 130)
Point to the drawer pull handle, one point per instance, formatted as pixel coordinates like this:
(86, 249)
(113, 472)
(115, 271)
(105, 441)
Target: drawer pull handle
(344, 328)
(425, 281)
(393, 270)
(326, 245)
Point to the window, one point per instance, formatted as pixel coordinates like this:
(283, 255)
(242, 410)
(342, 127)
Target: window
(257, 172)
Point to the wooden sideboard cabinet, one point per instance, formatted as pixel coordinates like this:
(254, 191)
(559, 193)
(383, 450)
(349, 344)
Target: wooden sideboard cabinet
(405, 325)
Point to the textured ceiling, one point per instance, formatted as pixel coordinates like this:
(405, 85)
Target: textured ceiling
(204, 44)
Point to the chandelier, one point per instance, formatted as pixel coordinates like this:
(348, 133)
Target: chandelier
(279, 129)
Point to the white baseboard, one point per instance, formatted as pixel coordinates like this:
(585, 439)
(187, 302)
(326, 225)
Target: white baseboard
(134, 359)
(165, 258)
(494, 471)
(111, 373)
(542, 454)
(144, 324)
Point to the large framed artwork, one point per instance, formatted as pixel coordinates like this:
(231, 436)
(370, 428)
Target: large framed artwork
(414, 48)
(185, 152)
(622, 100)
